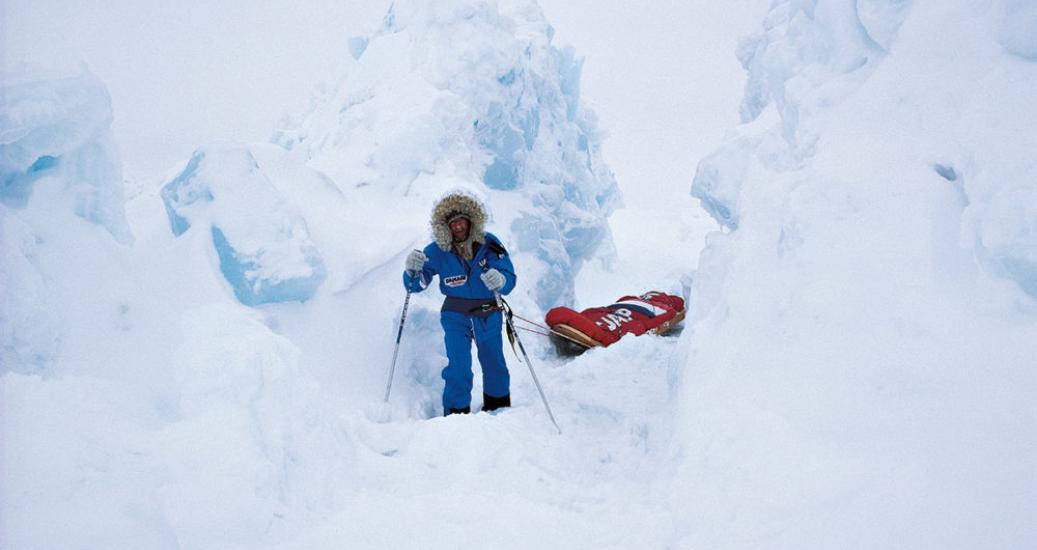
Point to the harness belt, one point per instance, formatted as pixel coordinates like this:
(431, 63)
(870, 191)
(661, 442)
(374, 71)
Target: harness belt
(473, 307)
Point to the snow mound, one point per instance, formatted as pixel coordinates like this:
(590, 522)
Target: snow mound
(864, 343)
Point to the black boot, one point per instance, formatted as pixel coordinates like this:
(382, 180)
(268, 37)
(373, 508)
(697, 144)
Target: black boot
(465, 410)
(491, 403)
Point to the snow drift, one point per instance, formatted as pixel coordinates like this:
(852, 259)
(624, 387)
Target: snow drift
(863, 361)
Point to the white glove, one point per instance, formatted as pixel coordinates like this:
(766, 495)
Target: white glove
(416, 260)
(493, 279)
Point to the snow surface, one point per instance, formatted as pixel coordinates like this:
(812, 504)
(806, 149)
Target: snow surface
(197, 358)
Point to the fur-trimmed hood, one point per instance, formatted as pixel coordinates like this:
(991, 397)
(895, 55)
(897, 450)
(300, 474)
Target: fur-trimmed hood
(458, 203)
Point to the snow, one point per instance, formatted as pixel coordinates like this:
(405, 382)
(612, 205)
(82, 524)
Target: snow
(193, 352)
(450, 94)
(1015, 32)
(881, 345)
(263, 244)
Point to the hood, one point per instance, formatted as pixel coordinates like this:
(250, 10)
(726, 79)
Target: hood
(449, 206)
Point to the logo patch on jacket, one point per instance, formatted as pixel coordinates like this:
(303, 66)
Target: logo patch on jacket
(456, 280)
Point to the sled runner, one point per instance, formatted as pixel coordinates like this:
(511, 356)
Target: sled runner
(652, 312)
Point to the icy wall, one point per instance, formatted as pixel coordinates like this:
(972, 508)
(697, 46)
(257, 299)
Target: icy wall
(471, 94)
(863, 354)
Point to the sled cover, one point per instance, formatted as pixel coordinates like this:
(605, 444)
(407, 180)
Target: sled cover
(655, 312)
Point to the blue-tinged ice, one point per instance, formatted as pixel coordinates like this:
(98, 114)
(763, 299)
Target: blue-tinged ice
(264, 247)
(570, 69)
(183, 191)
(502, 174)
(507, 135)
(60, 127)
(240, 269)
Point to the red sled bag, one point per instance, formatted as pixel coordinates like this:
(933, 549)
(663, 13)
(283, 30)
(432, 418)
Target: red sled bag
(654, 312)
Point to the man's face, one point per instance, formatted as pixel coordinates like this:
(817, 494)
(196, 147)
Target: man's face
(459, 229)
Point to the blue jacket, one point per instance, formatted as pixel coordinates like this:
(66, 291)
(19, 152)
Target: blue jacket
(459, 277)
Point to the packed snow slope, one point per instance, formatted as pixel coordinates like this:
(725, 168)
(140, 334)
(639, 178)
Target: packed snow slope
(201, 363)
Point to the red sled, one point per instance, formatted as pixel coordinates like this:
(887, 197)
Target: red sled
(653, 312)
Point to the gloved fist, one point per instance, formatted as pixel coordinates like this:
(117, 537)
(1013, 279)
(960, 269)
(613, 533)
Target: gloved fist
(493, 279)
(416, 260)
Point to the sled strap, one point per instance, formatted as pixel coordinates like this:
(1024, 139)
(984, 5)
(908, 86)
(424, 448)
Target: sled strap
(509, 325)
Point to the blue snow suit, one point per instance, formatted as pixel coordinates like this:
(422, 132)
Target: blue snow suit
(463, 319)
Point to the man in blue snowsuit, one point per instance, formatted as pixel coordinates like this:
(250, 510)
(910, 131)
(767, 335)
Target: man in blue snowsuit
(472, 265)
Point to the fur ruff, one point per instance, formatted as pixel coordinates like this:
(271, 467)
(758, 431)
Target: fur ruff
(468, 206)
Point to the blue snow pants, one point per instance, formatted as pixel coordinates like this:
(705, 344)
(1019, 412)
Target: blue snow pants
(459, 331)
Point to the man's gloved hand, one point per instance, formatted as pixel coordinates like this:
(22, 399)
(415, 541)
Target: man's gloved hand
(416, 261)
(493, 279)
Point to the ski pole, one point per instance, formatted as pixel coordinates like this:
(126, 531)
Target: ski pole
(500, 305)
(399, 335)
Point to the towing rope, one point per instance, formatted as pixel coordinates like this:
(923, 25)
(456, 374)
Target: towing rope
(511, 337)
(534, 331)
(534, 323)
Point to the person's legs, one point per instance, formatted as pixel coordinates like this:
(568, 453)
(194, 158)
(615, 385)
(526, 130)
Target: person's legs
(496, 379)
(457, 335)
